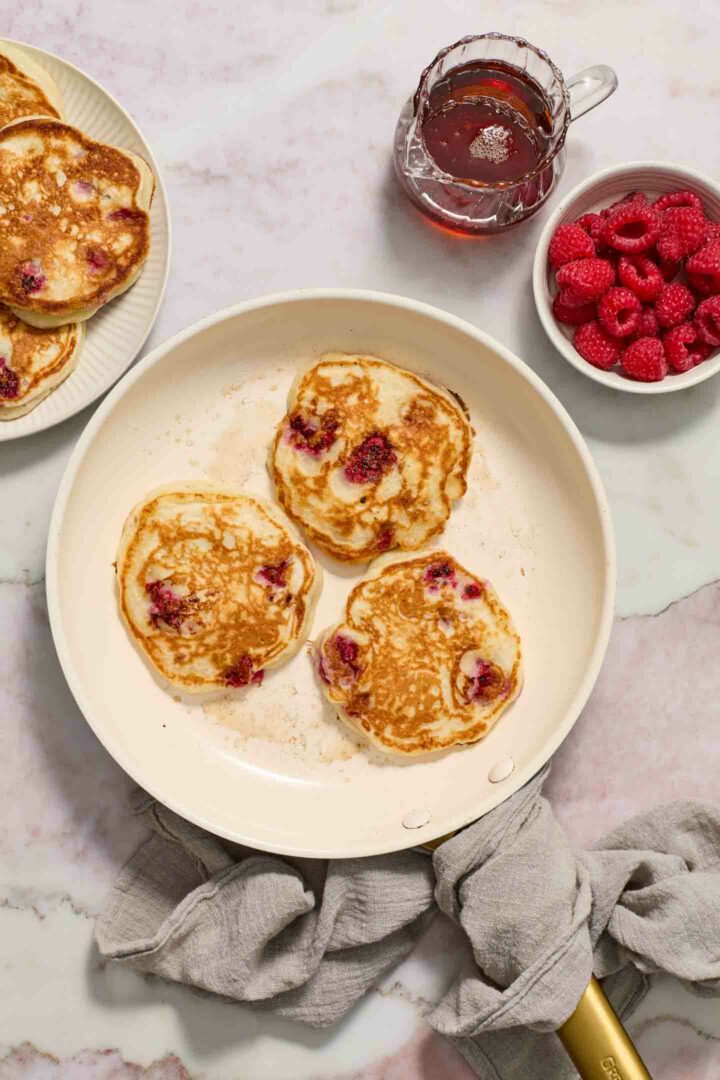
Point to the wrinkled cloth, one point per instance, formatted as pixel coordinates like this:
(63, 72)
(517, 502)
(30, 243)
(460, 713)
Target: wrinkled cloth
(306, 938)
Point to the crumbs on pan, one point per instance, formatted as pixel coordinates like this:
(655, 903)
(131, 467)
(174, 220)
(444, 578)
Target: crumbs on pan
(240, 452)
(320, 738)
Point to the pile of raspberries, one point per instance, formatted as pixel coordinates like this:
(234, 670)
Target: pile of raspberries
(640, 281)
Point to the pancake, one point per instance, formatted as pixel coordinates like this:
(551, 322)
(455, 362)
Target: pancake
(214, 586)
(33, 362)
(426, 657)
(26, 89)
(369, 457)
(74, 222)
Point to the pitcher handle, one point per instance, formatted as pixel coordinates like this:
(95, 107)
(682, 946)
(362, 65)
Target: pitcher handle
(589, 87)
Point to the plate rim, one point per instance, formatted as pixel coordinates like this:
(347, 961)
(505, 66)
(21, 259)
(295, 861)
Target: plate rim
(160, 190)
(361, 847)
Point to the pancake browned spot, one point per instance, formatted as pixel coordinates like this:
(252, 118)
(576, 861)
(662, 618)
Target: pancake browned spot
(370, 456)
(74, 222)
(426, 656)
(26, 89)
(214, 586)
(33, 362)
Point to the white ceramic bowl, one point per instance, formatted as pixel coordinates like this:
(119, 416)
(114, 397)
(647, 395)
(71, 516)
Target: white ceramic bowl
(654, 178)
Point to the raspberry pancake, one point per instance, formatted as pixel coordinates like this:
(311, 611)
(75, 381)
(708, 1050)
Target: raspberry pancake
(426, 657)
(214, 586)
(369, 456)
(74, 222)
(26, 89)
(33, 362)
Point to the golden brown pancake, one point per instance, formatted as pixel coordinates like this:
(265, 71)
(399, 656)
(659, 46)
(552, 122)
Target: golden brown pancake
(214, 586)
(26, 89)
(369, 456)
(33, 362)
(74, 222)
(426, 657)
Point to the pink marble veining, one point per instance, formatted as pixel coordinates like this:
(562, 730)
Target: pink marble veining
(649, 733)
(676, 1050)
(63, 800)
(25, 1062)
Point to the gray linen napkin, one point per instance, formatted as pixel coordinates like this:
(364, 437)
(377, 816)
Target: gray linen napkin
(306, 938)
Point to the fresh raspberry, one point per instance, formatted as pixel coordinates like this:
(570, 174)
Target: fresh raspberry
(678, 198)
(706, 260)
(370, 460)
(640, 274)
(703, 269)
(589, 278)
(704, 284)
(682, 232)
(676, 343)
(674, 305)
(571, 299)
(631, 197)
(647, 324)
(593, 224)
(572, 314)
(707, 321)
(569, 242)
(712, 231)
(595, 346)
(669, 269)
(619, 312)
(645, 360)
(632, 228)
(701, 351)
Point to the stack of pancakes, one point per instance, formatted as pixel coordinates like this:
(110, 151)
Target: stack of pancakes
(74, 232)
(215, 586)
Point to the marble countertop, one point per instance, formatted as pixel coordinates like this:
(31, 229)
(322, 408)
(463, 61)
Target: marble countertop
(272, 123)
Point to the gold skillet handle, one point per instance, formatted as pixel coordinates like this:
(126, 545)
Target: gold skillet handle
(594, 1038)
(597, 1043)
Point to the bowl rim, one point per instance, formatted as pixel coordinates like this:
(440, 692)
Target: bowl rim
(563, 345)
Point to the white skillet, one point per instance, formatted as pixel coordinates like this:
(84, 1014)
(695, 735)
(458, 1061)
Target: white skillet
(273, 768)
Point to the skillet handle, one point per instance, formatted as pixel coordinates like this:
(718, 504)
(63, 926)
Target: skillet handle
(594, 1038)
(597, 1043)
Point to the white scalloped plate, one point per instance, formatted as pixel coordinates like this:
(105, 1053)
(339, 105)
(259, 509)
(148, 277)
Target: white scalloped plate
(272, 767)
(117, 333)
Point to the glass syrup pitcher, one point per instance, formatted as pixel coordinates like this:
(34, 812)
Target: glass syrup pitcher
(481, 144)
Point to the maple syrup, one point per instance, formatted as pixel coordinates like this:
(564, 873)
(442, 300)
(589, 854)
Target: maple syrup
(487, 122)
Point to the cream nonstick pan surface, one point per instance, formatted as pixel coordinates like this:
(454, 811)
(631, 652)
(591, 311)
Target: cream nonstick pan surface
(272, 767)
